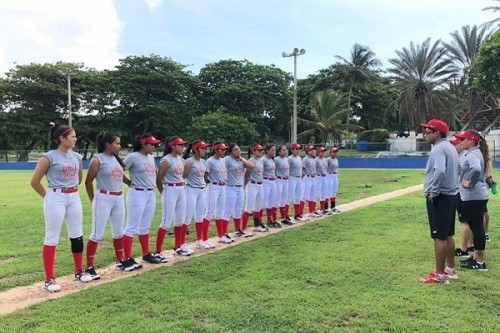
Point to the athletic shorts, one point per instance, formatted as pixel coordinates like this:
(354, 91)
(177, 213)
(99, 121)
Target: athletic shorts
(486, 207)
(441, 213)
(460, 209)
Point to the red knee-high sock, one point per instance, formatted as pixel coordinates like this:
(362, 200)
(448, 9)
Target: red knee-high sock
(218, 225)
(287, 210)
(77, 260)
(322, 204)
(127, 246)
(48, 258)
(160, 237)
(296, 209)
(275, 214)
(184, 233)
(206, 227)
(225, 226)
(118, 245)
(244, 220)
(261, 213)
(312, 206)
(282, 212)
(301, 209)
(199, 230)
(91, 251)
(177, 236)
(332, 202)
(237, 224)
(144, 241)
(269, 213)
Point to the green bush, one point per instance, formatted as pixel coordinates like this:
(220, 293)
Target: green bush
(376, 137)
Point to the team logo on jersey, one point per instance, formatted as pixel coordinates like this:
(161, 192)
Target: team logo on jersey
(200, 171)
(178, 170)
(69, 171)
(222, 170)
(150, 169)
(117, 173)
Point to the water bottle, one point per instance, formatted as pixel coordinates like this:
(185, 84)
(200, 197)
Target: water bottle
(494, 188)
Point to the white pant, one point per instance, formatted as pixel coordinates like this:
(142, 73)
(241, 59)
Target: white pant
(254, 194)
(141, 207)
(107, 207)
(195, 205)
(269, 189)
(173, 206)
(281, 193)
(234, 202)
(216, 201)
(320, 188)
(309, 189)
(58, 207)
(332, 185)
(295, 189)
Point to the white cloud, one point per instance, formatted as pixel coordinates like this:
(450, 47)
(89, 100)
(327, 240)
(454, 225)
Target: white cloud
(153, 4)
(58, 30)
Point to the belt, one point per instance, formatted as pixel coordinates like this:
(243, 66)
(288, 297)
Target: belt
(272, 179)
(321, 175)
(65, 190)
(333, 173)
(284, 178)
(174, 184)
(219, 184)
(297, 176)
(254, 182)
(310, 176)
(144, 189)
(234, 185)
(111, 192)
(198, 188)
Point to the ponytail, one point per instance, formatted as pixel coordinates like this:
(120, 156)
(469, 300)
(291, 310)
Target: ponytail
(108, 138)
(485, 150)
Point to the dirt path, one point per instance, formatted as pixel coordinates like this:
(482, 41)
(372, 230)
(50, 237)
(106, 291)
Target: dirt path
(22, 297)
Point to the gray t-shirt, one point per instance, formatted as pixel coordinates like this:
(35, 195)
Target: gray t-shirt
(309, 165)
(282, 166)
(295, 163)
(216, 168)
(333, 164)
(63, 169)
(441, 171)
(142, 170)
(175, 169)
(109, 176)
(196, 174)
(235, 171)
(269, 167)
(321, 166)
(472, 169)
(257, 171)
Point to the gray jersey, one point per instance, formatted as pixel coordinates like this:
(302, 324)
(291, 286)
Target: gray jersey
(63, 169)
(257, 171)
(216, 168)
(175, 169)
(321, 166)
(472, 169)
(295, 163)
(142, 170)
(441, 171)
(333, 165)
(109, 176)
(309, 165)
(235, 171)
(269, 167)
(282, 167)
(196, 175)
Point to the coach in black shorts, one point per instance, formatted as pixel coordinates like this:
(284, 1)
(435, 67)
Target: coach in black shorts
(440, 189)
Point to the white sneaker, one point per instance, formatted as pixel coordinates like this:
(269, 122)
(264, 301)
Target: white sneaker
(187, 249)
(52, 286)
(336, 210)
(260, 228)
(83, 277)
(181, 252)
(210, 244)
(314, 215)
(247, 233)
(202, 245)
(329, 210)
(225, 240)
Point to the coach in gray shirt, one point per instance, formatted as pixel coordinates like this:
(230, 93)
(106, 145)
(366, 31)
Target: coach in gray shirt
(440, 189)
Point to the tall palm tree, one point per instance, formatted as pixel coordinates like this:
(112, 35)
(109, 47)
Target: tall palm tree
(358, 68)
(494, 9)
(327, 114)
(422, 72)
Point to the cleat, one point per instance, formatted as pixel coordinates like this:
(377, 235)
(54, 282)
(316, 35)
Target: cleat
(247, 233)
(134, 263)
(475, 266)
(52, 286)
(82, 276)
(286, 222)
(210, 244)
(460, 253)
(187, 249)
(335, 210)
(260, 228)
(93, 274)
(433, 277)
(239, 233)
(160, 257)
(124, 265)
(225, 240)
(202, 245)
(151, 259)
(179, 251)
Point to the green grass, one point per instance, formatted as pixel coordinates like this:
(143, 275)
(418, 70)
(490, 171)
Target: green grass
(353, 272)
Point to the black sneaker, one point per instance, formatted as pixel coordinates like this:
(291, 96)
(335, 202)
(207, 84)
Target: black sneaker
(134, 263)
(93, 274)
(160, 257)
(124, 265)
(239, 233)
(288, 219)
(149, 258)
(460, 253)
(228, 237)
(487, 237)
(475, 266)
(467, 260)
(277, 224)
(286, 222)
(82, 276)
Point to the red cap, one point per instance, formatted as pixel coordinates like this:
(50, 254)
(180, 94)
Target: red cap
(309, 148)
(468, 135)
(295, 146)
(256, 147)
(200, 144)
(320, 149)
(149, 140)
(334, 150)
(176, 142)
(436, 125)
(220, 146)
(455, 141)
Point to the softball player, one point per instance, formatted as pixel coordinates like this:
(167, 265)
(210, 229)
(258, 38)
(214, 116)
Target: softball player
(309, 165)
(107, 203)
(141, 198)
(216, 178)
(282, 175)
(253, 189)
(63, 169)
(321, 185)
(332, 179)
(173, 197)
(269, 186)
(194, 173)
(236, 165)
(295, 183)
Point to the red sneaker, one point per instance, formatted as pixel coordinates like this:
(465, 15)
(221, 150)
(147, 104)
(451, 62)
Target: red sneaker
(433, 277)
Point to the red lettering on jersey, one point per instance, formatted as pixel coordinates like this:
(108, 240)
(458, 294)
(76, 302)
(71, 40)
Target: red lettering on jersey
(117, 173)
(69, 171)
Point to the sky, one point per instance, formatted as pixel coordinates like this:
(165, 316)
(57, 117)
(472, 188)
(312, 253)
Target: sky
(194, 33)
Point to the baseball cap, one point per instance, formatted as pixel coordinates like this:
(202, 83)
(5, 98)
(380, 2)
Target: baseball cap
(436, 125)
(334, 150)
(149, 140)
(468, 135)
(176, 142)
(309, 148)
(256, 147)
(295, 146)
(201, 144)
(320, 149)
(220, 146)
(455, 141)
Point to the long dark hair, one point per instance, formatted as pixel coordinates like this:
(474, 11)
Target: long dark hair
(190, 149)
(167, 150)
(136, 144)
(278, 149)
(103, 139)
(56, 131)
(268, 147)
(485, 150)
(212, 151)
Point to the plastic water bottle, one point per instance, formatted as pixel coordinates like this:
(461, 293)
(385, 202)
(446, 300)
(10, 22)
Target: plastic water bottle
(494, 188)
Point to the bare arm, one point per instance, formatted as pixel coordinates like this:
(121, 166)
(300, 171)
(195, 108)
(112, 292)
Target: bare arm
(92, 172)
(246, 177)
(187, 167)
(40, 171)
(161, 173)
(248, 164)
(126, 180)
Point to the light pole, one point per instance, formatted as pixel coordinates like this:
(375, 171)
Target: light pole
(68, 75)
(296, 52)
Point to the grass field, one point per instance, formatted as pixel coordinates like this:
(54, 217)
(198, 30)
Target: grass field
(354, 272)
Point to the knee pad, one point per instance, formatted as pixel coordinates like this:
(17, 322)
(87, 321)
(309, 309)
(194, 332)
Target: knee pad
(77, 245)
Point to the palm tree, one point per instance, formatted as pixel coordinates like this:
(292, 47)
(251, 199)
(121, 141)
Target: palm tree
(494, 9)
(422, 72)
(327, 114)
(358, 69)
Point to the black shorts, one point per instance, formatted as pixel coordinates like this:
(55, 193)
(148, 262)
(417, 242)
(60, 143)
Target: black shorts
(486, 207)
(441, 214)
(460, 209)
